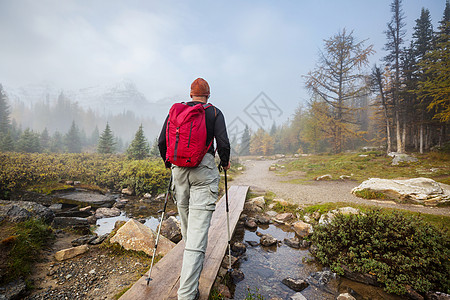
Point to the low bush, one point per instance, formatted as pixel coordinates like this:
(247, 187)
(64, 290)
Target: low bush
(399, 249)
(23, 247)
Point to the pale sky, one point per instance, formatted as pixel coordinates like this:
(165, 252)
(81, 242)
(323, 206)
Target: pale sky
(242, 48)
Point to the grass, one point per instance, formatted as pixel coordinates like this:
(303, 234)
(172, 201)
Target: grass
(50, 188)
(433, 165)
(23, 246)
(368, 194)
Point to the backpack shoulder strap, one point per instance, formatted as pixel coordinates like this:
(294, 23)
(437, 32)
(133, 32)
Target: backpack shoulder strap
(206, 105)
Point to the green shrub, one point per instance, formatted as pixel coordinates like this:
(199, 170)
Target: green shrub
(398, 249)
(28, 240)
(145, 176)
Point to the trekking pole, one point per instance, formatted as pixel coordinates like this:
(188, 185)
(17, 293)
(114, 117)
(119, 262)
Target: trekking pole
(228, 220)
(148, 279)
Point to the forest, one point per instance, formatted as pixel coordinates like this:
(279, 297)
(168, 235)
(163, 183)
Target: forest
(400, 104)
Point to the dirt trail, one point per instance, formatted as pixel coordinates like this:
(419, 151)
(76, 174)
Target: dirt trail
(257, 175)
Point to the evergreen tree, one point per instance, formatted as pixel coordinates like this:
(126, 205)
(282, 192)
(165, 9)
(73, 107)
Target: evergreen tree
(28, 142)
(4, 113)
(45, 140)
(72, 139)
(7, 143)
(94, 137)
(395, 35)
(57, 143)
(244, 148)
(139, 148)
(154, 151)
(106, 143)
(423, 34)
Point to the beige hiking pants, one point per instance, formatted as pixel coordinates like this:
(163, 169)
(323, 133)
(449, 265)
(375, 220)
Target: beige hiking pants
(196, 191)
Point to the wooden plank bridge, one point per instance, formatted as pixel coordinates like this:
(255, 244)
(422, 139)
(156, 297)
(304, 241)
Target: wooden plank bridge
(166, 273)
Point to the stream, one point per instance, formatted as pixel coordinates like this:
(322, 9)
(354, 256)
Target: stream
(264, 267)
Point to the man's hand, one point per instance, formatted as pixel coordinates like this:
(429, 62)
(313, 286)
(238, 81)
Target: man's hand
(228, 166)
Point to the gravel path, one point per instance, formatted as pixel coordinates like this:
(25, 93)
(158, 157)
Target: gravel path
(258, 176)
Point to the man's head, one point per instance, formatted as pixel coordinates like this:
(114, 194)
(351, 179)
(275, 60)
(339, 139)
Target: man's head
(200, 90)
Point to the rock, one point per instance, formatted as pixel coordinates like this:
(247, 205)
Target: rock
(328, 217)
(437, 296)
(147, 195)
(325, 177)
(250, 223)
(281, 201)
(345, 296)
(297, 285)
(307, 219)
(171, 229)
(252, 243)
(91, 220)
(99, 239)
(56, 207)
(170, 213)
(76, 182)
(267, 240)
(258, 201)
(85, 239)
(402, 158)
(415, 189)
(321, 278)
(305, 244)
(13, 290)
(283, 217)
(298, 296)
(316, 215)
(237, 275)
(345, 177)
(138, 237)
(272, 168)
(292, 242)
(260, 219)
(86, 208)
(302, 229)
(226, 262)
(271, 213)
(104, 212)
(87, 198)
(62, 222)
(359, 277)
(128, 191)
(74, 212)
(119, 205)
(70, 252)
(413, 294)
(223, 290)
(19, 211)
(239, 248)
(69, 182)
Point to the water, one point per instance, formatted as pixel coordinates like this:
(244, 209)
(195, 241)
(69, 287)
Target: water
(138, 209)
(264, 267)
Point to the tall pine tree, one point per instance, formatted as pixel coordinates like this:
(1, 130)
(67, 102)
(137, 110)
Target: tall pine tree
(139, 148)
(106, 142)
(244, 148)
(72, 139)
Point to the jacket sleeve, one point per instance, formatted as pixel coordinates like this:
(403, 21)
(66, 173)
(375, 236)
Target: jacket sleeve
(162, 141)
(223, 144)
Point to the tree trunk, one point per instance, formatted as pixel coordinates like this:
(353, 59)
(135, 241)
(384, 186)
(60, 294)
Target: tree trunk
(388, 136)
(398, 133)
(421, 138)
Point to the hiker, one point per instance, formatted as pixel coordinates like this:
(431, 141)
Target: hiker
(195, 176)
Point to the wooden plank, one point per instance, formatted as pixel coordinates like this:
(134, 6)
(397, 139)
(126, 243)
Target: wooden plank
(166, 273)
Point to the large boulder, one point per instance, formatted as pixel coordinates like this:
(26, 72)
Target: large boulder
(19, 211)
(421, 190)
(256, 204)
(171, 229)
(328, 217)
(401, 158)
(297, 285)
(70, 252)
(138, 237)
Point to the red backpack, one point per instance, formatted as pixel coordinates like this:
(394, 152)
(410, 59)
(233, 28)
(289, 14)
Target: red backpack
(186, 134)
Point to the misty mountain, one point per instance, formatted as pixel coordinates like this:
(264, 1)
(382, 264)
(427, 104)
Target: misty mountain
(108, 99)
